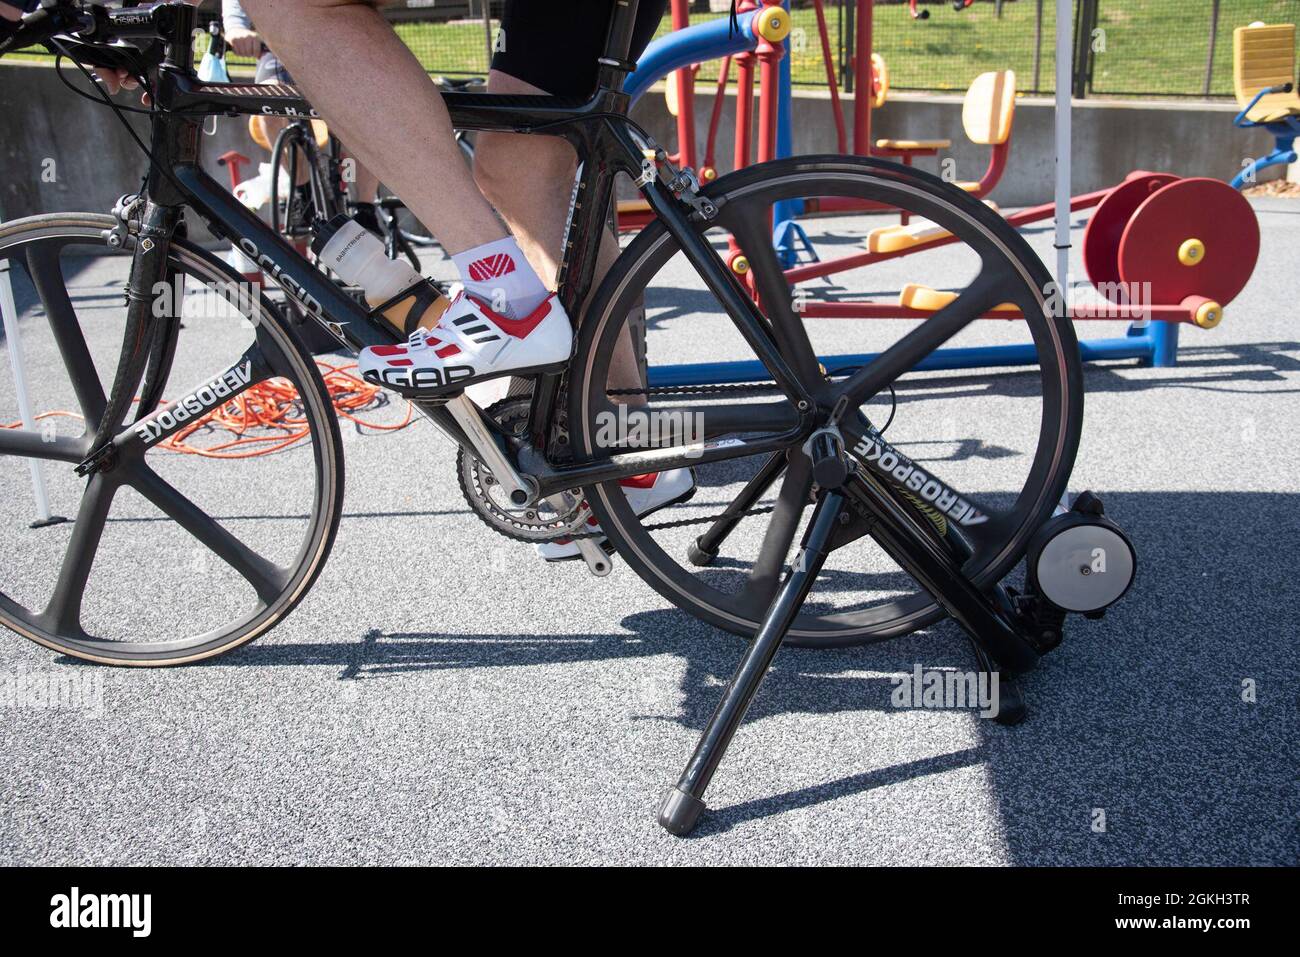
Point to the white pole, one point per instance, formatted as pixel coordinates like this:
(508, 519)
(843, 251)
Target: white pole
(1064, 55)
(10, 312)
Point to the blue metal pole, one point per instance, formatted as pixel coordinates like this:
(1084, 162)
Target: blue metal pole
(699, 43)
(1163, 339)
(973, 357)
(784, 229)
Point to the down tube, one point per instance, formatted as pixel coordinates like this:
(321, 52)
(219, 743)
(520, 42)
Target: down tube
(321, 298)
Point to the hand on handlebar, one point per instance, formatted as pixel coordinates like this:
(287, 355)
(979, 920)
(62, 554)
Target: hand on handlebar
(244, 42)
(114, 80)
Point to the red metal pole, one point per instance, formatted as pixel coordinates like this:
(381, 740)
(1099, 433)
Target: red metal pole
(744, 107)
(685, 94)
(841, 136)
(709, 170)
(769, 60)
(862, 81)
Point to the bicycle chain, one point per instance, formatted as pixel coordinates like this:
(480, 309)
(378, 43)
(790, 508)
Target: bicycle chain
(681, 522)
(728, 389)
(738, 388)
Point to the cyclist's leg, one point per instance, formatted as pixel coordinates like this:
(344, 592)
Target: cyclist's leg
(397, 124)
(395, 121)
(550, 48)
(529, 179)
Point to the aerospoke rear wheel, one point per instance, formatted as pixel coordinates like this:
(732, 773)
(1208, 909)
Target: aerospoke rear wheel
(1001, 443)
(206, 539)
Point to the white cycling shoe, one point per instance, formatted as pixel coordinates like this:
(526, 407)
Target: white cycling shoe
(471, 343)
(645, 493)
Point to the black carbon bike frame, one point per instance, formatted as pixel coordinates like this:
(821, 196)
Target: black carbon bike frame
(852, 499)
(607, 143)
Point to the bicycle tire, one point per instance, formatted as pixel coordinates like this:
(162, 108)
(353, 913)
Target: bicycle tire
(813, 176)
(287, 352)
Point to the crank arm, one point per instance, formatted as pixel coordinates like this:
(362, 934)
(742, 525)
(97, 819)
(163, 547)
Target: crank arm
(521, 490)
(598, 563)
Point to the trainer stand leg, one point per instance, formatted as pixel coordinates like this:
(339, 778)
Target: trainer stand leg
(683, 805)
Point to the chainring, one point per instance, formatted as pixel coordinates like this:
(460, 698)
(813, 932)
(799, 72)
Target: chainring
(533, 523)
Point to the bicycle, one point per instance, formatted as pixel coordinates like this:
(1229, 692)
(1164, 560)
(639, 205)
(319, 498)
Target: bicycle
(901, 545)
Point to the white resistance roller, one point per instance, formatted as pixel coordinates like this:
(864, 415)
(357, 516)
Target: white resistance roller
(1081, 561)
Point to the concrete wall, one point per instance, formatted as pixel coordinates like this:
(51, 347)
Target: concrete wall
(94, 161)
(62, 153)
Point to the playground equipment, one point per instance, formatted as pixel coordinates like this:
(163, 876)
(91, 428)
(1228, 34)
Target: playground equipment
(1264, 74)
(987, 115)
(1160, 250)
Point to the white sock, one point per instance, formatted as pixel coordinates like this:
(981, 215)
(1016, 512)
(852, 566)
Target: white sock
(497, 274)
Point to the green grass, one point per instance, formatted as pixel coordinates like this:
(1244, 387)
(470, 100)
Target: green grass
(1146, 47)
(1153, 47)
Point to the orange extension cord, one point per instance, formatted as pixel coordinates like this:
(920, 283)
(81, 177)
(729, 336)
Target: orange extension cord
(273, 405)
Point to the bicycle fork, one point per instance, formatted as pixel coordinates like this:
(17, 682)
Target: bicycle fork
(149, 334)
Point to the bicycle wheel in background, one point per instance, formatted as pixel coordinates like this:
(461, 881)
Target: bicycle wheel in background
(290, 155)
(1005, 440)
(197, 546)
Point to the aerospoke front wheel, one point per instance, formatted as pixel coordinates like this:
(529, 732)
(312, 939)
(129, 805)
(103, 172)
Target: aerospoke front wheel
(206, 531)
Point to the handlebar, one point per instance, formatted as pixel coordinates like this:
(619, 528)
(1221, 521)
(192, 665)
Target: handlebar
(50, 19)
(95, 30)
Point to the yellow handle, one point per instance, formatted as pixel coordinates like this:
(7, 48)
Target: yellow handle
(1208, 315)
(772, 24)
(1191, 252)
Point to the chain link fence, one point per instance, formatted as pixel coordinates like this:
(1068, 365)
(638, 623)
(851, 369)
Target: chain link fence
(1131, 48)
(1128, 48)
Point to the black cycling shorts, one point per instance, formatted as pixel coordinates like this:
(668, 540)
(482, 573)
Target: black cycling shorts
(554, 44)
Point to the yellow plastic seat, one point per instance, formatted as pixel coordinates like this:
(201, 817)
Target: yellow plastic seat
(916, 296)
(888, 144)
(626, 206)
(990, 107)
(1264, 56)
(257, 131)
(892, 239)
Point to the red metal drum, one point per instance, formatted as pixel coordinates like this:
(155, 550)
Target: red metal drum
(1195, 237)
(1105, 229)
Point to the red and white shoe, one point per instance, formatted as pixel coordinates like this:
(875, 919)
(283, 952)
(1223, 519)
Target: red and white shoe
(645, 493)
(471, 343)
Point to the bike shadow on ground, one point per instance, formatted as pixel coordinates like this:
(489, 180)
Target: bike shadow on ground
(1170, 724)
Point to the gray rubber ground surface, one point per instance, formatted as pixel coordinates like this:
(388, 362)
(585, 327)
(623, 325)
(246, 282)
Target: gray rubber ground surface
(441, 696)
